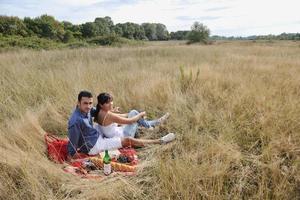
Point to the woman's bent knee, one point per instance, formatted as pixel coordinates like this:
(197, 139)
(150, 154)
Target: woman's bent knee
(133, 112)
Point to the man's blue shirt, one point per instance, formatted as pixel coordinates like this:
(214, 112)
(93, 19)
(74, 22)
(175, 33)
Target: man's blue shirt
(82, 135)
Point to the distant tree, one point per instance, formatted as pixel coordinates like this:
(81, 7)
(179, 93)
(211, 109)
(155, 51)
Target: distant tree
(67, 25)
(283, 36)
(32, 26)
(48, 27)
(12, 26)
(88, 30)
(118, 29)
(76, 29)
(156, 31)
(68, 36)
(71, 31)
(162, 32)
(297, 36)
(198, 33)
(104, 26)
(150, 31)
(130, 30)
(179, 35)
(139, 33)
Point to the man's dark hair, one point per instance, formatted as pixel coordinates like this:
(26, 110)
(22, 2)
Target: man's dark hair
(84, 94)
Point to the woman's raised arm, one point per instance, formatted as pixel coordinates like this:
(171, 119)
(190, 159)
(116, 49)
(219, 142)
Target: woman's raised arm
(116, 118)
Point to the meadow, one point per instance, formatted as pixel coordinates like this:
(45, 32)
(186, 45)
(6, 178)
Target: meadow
(235, 108)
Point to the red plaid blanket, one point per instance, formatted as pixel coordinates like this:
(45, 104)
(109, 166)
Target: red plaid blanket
(84, 165)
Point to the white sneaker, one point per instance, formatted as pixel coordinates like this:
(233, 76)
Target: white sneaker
(164, 118)
(167, 138)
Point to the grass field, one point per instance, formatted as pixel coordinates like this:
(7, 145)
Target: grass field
(235, 107)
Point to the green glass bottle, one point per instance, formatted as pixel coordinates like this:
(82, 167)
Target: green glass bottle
(106, 163)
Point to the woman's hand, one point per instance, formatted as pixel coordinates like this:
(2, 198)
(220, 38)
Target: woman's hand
(142, 114)
(116, 110)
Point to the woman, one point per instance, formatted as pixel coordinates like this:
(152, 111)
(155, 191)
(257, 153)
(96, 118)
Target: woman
(108, 120)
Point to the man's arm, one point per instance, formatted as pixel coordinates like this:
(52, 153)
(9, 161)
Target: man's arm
(74, 135)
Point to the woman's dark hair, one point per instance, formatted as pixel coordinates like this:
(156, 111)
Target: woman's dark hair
(102, 98)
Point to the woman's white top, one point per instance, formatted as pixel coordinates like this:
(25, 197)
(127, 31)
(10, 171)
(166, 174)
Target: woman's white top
(112, 130)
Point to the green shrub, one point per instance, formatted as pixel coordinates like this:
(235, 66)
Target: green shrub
(77, 44)
(34, 42)
(28, 42)
(105, 40)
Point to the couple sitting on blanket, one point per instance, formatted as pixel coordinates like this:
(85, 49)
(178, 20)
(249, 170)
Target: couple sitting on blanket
(86, 138)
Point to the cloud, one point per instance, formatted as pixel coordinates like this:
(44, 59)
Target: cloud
(217, 8)
(15, 4)
(191, 2)
(202, 18)
(115, 3)
(109, 4)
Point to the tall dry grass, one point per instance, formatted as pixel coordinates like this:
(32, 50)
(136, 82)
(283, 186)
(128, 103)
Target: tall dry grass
(235, 108)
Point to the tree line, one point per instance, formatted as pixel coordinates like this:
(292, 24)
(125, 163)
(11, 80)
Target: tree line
(184, 35)
(47, 32)
(46, 26)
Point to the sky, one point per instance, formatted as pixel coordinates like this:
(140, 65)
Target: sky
(222, 17)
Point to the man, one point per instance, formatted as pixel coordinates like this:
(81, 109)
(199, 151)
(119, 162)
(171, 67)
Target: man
(84, 138)
(82, 135)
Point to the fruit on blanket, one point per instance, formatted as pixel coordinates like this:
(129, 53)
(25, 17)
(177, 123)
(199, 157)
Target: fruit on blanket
(116, 166)
(123, 159)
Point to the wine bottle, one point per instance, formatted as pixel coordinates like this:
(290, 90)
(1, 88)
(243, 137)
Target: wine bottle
(106, 163)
